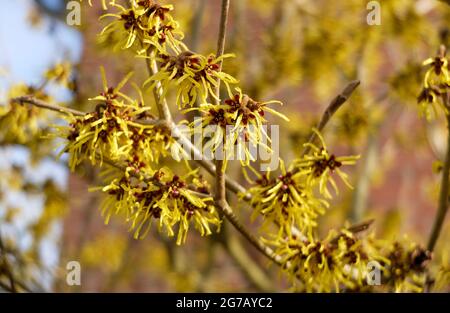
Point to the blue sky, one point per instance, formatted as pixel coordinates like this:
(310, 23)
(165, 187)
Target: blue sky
(26, 51)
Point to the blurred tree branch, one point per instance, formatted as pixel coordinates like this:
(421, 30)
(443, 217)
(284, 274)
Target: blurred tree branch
(444, 193)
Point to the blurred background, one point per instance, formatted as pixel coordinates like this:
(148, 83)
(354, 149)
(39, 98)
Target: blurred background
(301, 52)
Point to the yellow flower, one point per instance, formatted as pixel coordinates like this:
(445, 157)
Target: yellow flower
(112, 129)
(167, 198)
(338, 262)
(238, 126)
(407, 261)
(319, 166)
(104, 3)
(438, 73)
(97, 134)
(436, 84)
(287, 202)
(194, 75)
(146, 21)
(429, 101)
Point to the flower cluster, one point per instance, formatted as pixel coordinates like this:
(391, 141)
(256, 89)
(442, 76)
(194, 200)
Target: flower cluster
(318, 167)
(407, 266)
(237, 126)
(436, 86)
(144, 25)
(116, 129)
(194, 76)
(291, 200)
(287, 202)
(345, 261)
(150, 30)
(124, 131)
(165, 197)
(338, 262)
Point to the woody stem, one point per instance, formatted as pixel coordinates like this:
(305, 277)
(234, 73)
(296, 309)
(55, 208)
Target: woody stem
(444, 193)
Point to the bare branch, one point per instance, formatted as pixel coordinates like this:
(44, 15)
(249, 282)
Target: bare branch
(337, 102)
(41, 104)
(444, 193)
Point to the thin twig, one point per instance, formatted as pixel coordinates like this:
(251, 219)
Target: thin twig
(443, 196)
(199, 158)
(220, 197)
(354, 229)
(337, 102)
(41, 104)
(161, 102)
(221, 40)
(264, 249)
(220, 171)
(357, 228)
